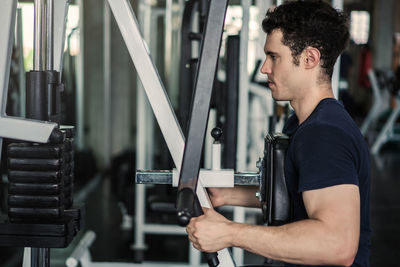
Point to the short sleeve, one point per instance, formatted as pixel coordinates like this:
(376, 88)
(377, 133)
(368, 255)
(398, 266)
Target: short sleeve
(324, 156)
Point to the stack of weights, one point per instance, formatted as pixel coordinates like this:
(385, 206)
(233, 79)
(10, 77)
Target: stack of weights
(40, 180)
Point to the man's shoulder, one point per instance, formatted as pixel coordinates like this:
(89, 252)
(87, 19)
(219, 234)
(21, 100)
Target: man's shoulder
(331, 115)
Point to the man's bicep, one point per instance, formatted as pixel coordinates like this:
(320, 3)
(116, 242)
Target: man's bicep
(340, 201)
(338, 207)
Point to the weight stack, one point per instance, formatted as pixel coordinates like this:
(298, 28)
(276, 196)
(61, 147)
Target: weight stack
(40, 180)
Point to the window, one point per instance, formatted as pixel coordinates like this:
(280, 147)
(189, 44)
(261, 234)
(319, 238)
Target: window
(359, 26)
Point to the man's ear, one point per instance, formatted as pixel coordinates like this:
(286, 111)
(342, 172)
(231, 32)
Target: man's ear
(312, 57)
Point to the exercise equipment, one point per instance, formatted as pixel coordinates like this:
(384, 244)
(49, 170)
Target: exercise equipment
(41, 214)
(381, 82)
(375, 110)
(274, 196)
(388, 132)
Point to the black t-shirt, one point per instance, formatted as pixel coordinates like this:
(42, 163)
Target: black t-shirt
(328, 149)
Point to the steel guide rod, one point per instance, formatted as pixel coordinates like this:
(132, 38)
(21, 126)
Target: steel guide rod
(39, 13)
(49, 34)
(43, 59)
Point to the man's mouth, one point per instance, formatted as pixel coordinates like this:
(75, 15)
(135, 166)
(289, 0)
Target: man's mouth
(270, 82)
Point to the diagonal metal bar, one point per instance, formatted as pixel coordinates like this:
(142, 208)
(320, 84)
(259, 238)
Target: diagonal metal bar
(204, 81)
(150, 78)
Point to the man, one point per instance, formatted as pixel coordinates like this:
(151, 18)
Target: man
(327, 161)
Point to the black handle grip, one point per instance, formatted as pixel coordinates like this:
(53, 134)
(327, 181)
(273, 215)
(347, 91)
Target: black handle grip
(188, 206)
(212, 258)
(184, 206)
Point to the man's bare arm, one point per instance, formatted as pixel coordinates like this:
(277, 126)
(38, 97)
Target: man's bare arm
(329, 236)
(244, 196)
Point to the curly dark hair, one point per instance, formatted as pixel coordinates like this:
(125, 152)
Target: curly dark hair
(310, 23)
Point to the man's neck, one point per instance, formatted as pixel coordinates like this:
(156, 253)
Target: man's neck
(305, 106)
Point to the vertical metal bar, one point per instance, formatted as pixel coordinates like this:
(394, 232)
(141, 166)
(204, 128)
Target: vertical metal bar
(35, 257)
(22, 81)
(141, 139)
(168, 40)
(26, 259)
(337, 4)
(49, 34)
(148, 25)
(107, 83)
(46, 257)
(38, 38)
(243, 91)
(80, 119)
(208, 144)
(231, 118)
(241, 164)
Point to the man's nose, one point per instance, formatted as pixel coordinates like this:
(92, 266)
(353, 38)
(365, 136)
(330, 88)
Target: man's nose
(265, 68)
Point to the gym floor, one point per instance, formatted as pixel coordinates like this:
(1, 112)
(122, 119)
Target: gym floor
(112, 244)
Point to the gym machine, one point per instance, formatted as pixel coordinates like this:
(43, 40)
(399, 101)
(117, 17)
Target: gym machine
(373, 113)
(41, 214)
(388, 132)
(191, 185)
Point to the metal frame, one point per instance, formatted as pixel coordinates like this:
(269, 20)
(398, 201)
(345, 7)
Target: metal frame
(388, 131)
(156, 94)
(107, 98)
(143, 138)
(376, 105)
(203, 89)
(12, 127)
(241, 153)
(22, 80)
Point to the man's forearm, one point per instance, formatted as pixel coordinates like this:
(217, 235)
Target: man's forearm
(304, 242)
(244, 196)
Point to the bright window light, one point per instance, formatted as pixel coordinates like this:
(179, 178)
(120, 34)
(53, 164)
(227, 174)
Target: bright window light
(359, 26)
(27, 30)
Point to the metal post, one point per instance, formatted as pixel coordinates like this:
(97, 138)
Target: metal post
(40, 257)
(22, 81)
(168, 41)
(337, 4)
(107, 83)
(38, 38)
(241, 163)
(49, 35)
(141, 139)
(80, 122)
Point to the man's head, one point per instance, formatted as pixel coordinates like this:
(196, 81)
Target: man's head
(310, 24)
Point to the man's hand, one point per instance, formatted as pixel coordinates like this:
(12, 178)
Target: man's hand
(210, 232)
